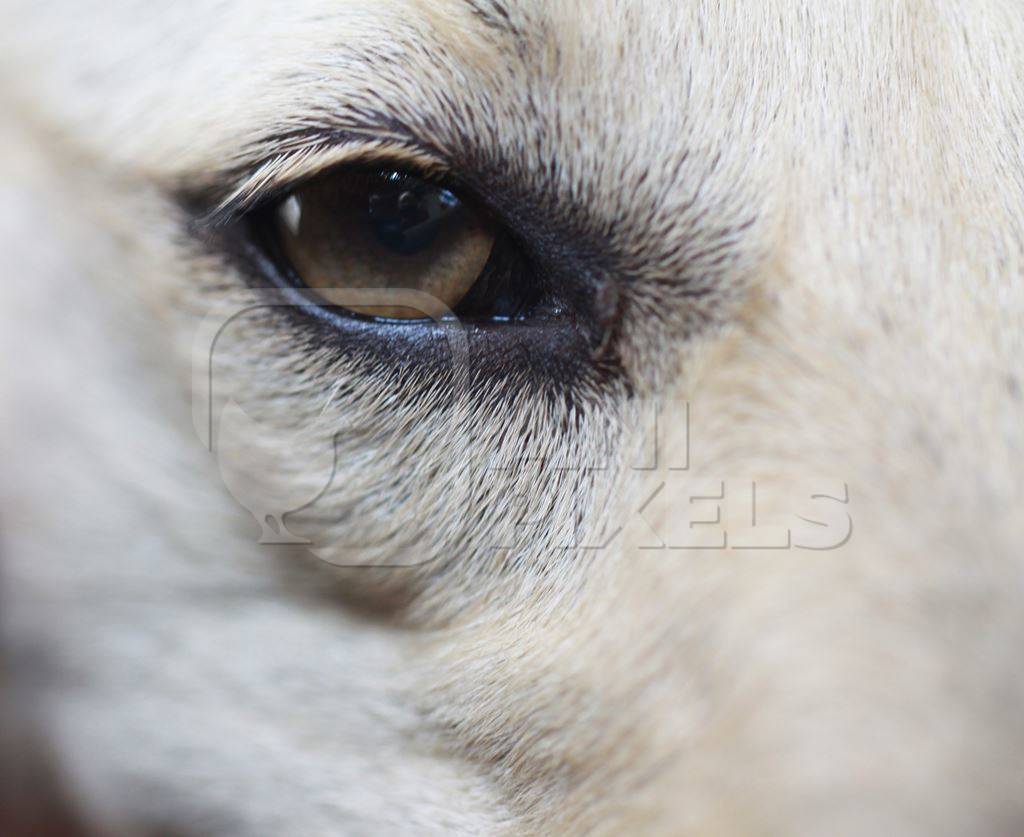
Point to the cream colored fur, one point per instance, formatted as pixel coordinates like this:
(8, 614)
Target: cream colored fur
(842, 183)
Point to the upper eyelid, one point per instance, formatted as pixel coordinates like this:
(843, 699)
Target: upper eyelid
(285, 170)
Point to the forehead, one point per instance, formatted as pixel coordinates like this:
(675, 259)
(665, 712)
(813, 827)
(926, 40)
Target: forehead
(608, 93)
(528, 81)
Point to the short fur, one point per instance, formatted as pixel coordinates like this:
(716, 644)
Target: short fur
(812, 217)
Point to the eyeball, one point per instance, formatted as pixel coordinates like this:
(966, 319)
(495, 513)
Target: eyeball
(383, 229)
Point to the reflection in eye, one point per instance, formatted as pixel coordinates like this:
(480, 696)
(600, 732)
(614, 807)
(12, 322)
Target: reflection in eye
(383, 230)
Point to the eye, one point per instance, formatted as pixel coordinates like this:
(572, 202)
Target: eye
(385, 229)
(515, 273)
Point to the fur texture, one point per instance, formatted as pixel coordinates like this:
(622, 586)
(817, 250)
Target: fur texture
(812, 220)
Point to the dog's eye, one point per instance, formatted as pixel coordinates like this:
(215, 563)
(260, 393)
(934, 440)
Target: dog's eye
(363, 253)
(386, 230)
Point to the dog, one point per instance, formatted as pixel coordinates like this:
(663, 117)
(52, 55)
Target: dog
(493, 416)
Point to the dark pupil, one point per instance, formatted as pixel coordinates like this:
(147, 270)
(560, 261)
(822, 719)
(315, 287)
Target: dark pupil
(406, 214)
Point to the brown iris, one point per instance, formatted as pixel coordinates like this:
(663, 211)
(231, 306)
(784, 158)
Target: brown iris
(383, 231)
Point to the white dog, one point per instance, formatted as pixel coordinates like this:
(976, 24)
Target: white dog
(495, 416)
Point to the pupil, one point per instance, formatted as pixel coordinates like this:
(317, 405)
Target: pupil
(407, 215)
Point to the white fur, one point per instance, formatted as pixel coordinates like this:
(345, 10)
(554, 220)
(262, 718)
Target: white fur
(842, 181)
